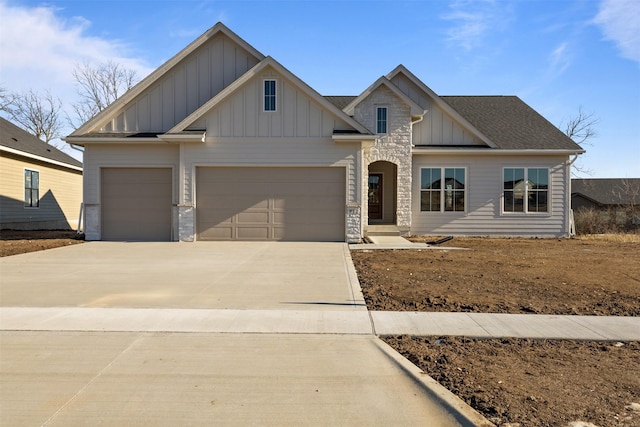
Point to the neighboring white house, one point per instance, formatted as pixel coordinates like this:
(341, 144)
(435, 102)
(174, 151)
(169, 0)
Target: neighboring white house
(224, 143)
(40, 186)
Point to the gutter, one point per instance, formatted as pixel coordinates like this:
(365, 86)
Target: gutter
(40, 158)
(492, 151)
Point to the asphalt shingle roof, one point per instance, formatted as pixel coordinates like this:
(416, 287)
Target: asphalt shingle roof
(608, 191)
(510, 123)
(14, 137)
(506, 120)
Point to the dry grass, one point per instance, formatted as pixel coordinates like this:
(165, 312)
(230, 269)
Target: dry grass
(611, 237)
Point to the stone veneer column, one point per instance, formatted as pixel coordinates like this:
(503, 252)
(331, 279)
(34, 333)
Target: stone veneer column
(393, 147)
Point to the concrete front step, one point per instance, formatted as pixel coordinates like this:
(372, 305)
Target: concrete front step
(382, 230)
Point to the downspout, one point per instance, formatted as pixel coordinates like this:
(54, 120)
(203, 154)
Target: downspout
(569, 210)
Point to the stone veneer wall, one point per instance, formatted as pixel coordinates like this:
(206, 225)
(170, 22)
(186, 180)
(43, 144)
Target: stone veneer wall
(394, 147)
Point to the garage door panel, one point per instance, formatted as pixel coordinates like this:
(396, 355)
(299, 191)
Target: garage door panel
(136, 203)
(270, 203)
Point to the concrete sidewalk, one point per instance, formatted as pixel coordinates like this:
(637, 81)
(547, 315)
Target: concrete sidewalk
(355, 322)
(177, 379)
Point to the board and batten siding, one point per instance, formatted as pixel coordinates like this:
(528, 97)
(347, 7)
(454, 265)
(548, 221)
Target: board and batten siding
(297, 115)
(186, 87)
(60, 192)
(483, 215)
(437, 127)
(97, 156)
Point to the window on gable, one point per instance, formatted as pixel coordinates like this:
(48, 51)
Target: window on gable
(442, 195)
(31, 189)
(525, 190)
(381, 120)
(269, 95)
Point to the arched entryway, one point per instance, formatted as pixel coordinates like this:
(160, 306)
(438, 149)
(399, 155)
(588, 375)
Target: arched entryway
(382, 192)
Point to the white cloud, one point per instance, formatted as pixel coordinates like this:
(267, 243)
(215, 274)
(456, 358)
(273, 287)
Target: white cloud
(473, 20)
(620, 23)
(39, 50)
(560, 59)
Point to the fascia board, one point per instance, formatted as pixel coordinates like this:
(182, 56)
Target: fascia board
(161, 71)
(493, 152)
(440, 103)
(79, 140)
(416, 110)
(267, 62)
(39, 158)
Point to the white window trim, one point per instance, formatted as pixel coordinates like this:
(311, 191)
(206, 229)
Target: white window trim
(264, 95)
(39, 198)
(378, 107)
(443, 190)
(526, 207)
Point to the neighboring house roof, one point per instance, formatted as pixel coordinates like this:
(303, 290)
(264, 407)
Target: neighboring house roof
(510, 123)
(608, 191)
(18, 141)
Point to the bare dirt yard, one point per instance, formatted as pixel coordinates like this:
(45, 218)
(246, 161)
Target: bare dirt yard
(515, 381)
(14, 242)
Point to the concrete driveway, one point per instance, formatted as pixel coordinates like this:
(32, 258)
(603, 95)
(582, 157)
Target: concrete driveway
(168, 334)
(216, 275)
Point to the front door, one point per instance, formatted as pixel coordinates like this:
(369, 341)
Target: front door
(375, 196)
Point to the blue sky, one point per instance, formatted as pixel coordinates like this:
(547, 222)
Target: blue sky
(557, 55)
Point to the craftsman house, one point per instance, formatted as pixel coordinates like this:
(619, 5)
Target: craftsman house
(40, 186)
(224, 143)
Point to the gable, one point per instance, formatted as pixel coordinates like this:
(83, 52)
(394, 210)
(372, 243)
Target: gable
(438, 127)
(298, 113)
(179, 87)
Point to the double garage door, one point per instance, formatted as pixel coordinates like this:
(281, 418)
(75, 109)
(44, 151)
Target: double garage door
(231, 203)
(270, 203)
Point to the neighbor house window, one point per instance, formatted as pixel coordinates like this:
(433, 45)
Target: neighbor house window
(31, 188)
(442, 189)
(381, 120)
(525, 190)
(269, 95)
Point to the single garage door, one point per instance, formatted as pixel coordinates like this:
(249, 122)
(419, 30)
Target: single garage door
(270, 203)
(136, 204)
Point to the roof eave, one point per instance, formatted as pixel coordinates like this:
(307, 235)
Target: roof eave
(494, 151)
(39, 158)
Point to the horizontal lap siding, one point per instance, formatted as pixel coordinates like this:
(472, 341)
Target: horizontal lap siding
(112, 155)
(60, 192)
(239, 152)
(484, 197)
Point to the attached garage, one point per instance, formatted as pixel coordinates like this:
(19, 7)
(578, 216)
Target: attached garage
(136, 203)
(269, 203)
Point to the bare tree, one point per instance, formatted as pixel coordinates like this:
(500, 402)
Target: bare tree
(581, 129)
(6, 99)
(98, 86)
(38, 114)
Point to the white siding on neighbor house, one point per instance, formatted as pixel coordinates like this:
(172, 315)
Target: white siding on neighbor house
(191, 83)
(297, 115)
(60, 192)
(483, 215)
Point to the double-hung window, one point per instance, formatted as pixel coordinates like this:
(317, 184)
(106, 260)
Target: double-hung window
(269, 95)
(442, 189)
(525, 190)
(31, 189)
(381, 120)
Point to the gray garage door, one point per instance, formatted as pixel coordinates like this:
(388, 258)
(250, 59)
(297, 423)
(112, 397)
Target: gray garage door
(136, 204)
(270, 204)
